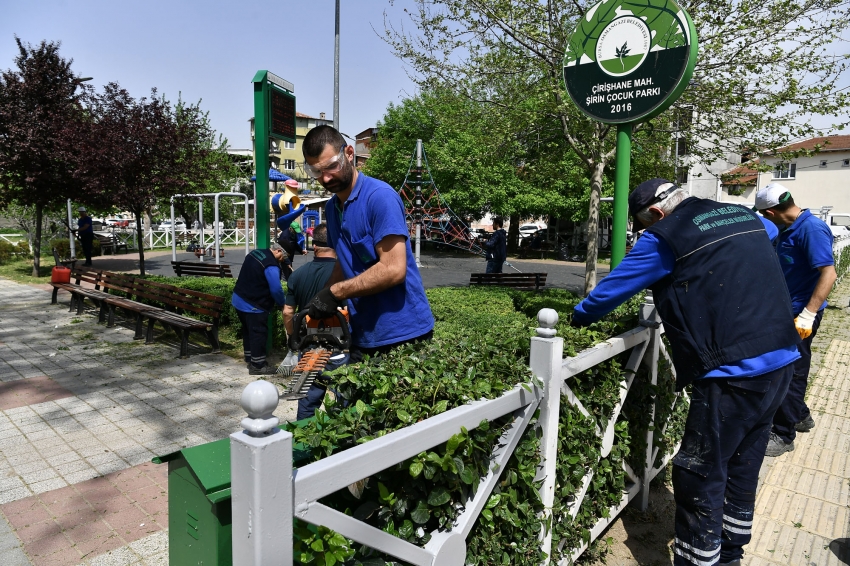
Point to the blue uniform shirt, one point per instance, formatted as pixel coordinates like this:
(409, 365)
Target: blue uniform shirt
(803, 247)
(650, 260)
(372, 212)
(82, 222)
(273, 280)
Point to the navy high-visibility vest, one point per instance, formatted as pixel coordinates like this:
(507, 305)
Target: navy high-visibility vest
(252, 285)
(726, 299)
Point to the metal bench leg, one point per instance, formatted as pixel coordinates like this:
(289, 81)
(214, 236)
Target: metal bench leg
(111, 321)
(101, 314)
(149, 336)
(139, 327)
(55, 293)
(71, 306)
(212, 336)
(80, 304)
(184, 343)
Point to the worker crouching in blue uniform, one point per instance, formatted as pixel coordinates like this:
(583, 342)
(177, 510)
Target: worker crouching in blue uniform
(257, 292)
(726, 311)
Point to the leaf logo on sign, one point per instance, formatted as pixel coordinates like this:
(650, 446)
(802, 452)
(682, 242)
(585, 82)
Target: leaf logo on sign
(622, 52)
(666, 26)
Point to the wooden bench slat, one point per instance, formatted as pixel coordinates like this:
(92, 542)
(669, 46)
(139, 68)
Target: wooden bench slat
(532, 281)
(199, 269)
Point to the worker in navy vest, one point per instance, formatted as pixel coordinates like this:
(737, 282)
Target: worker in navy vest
(257, 292)
(85, 231)
(720, 293)
(804, 247)
(375, 271)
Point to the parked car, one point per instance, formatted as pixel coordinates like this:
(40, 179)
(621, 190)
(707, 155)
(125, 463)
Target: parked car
(117, 222)
(528, 229)
(166, 225)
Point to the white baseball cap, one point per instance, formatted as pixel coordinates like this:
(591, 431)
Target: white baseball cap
(81, 209)
(771, 195)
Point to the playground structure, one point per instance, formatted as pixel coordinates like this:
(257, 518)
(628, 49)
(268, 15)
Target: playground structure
(216, 226)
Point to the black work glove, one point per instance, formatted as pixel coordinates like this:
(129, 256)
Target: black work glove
(576, 324)
(324, 304)
(294, 343)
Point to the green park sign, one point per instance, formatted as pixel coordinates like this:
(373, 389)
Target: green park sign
(628, 61)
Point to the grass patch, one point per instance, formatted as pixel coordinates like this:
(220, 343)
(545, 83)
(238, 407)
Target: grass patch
(20, 271)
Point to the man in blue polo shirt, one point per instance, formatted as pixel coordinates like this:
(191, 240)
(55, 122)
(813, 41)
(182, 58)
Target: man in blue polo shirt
(727, 316)
(375, 270)
(804, 247)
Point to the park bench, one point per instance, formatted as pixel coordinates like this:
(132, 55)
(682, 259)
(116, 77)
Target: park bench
(80, 275)
(110, 243)
(198, 269)
(147, 300)
(69, 263)
(529, 281)
(114, 283)
(176, 301)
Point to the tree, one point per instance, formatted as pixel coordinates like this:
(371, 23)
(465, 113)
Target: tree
(508, 54)
(39, 106)
(126, 153)
(202, 164)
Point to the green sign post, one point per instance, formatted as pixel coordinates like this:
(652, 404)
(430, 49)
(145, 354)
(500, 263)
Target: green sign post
(274, 116)
(627, 62)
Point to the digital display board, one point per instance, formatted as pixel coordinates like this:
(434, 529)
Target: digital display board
(282, 119)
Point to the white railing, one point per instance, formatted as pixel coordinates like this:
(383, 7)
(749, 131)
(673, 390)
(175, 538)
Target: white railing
(13, 238)
(267, 493)
(229, 237)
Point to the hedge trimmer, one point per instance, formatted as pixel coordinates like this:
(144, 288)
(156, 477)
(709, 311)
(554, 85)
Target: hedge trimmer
(318, 340)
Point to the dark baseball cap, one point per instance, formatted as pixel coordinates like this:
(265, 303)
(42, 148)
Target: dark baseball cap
(646, 194)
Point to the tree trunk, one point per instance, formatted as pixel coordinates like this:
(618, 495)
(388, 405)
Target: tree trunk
(593, 226)
(513, 233)
(36, 248)
(140, 235)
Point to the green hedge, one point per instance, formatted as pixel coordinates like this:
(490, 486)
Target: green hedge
(480, 350)
(10, 252)
(63, 248)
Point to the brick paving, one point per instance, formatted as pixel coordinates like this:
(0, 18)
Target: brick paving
(83, 409)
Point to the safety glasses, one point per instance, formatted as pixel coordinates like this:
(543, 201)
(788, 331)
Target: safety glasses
(331, 166)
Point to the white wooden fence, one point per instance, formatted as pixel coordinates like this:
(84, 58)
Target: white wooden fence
(229, 237)
(267, 492)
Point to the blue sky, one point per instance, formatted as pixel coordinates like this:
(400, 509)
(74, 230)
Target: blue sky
(209, 50)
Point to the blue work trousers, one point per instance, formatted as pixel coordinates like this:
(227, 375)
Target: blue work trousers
(793, 408)
(316, 394)
(255, 331)
(715, 472)
(494, 266)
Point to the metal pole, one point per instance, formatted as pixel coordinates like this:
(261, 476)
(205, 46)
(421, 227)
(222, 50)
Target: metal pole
(622, 165)
(201, 224)
(71, 234)
(261, 153)
(173, 242)
(336, 69)
(417, 210)
(247, 242)
(648, 313)
(217, 235)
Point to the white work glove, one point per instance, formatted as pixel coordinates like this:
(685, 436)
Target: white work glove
(804, 322)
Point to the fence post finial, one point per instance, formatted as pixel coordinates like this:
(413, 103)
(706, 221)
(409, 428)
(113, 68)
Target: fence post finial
(260, 399)
(548, 320)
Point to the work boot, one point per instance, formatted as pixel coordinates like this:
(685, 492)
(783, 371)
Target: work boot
(733, 563)
(777, 447)
(265, 370)
(805, 425)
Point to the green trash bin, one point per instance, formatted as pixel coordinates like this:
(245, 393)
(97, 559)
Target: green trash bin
(199, 517)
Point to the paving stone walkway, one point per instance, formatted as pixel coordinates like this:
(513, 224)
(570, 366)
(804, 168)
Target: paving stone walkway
(83, 410)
